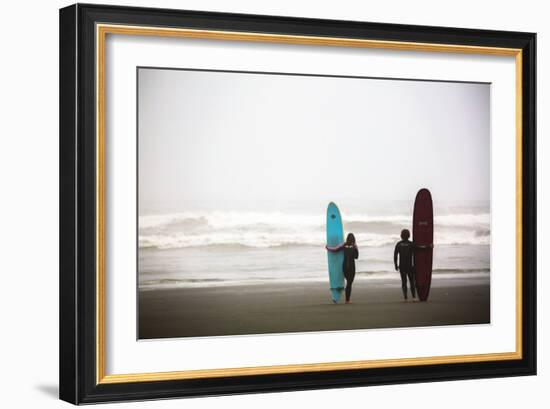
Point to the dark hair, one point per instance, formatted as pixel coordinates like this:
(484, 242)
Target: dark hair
(405, 234)
(350, 240)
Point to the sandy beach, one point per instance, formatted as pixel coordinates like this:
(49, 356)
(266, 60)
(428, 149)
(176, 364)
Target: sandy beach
(305, 306)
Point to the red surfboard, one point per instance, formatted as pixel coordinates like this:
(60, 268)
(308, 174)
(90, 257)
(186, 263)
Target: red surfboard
(423, 238)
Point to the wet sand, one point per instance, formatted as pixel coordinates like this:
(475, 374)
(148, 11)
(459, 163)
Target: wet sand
(305, 306)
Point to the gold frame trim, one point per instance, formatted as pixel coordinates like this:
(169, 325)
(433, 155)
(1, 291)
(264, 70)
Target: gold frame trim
(101, 32)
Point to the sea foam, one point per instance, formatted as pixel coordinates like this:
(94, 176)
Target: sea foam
(279, 229)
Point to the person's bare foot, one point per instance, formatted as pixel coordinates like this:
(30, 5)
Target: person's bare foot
(348, 302)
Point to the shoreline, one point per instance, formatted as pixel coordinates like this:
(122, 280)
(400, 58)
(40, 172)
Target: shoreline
(465, 279)
(282, 307)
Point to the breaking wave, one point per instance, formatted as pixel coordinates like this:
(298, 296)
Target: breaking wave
(277, 229)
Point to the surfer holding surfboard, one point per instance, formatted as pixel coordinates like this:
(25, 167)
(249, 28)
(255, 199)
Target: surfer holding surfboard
(351, 253)
(415, 258)
(341, 256)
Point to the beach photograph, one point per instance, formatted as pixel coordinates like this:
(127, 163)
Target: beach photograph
(288, 203)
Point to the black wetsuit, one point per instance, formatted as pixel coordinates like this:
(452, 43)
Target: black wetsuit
(350, 254)
(405, 250)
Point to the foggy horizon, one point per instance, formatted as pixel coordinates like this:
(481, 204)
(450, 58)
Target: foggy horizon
(225, 141)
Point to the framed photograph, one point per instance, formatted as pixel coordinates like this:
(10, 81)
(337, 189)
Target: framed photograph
(256, 203)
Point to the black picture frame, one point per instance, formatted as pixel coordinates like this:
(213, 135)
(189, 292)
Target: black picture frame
(78, 236)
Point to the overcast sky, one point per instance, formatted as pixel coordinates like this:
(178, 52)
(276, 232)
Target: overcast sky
(220, 140)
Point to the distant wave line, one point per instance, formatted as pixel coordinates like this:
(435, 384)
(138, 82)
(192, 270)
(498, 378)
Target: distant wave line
(218, 220)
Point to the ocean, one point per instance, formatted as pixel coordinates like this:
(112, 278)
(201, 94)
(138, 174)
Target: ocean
(224, 247)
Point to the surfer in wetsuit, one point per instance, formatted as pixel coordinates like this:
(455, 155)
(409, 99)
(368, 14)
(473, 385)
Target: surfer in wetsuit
(351, 253)
(405, 250)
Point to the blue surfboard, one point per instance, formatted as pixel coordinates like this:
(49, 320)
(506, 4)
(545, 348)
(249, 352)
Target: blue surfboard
(335, 236)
